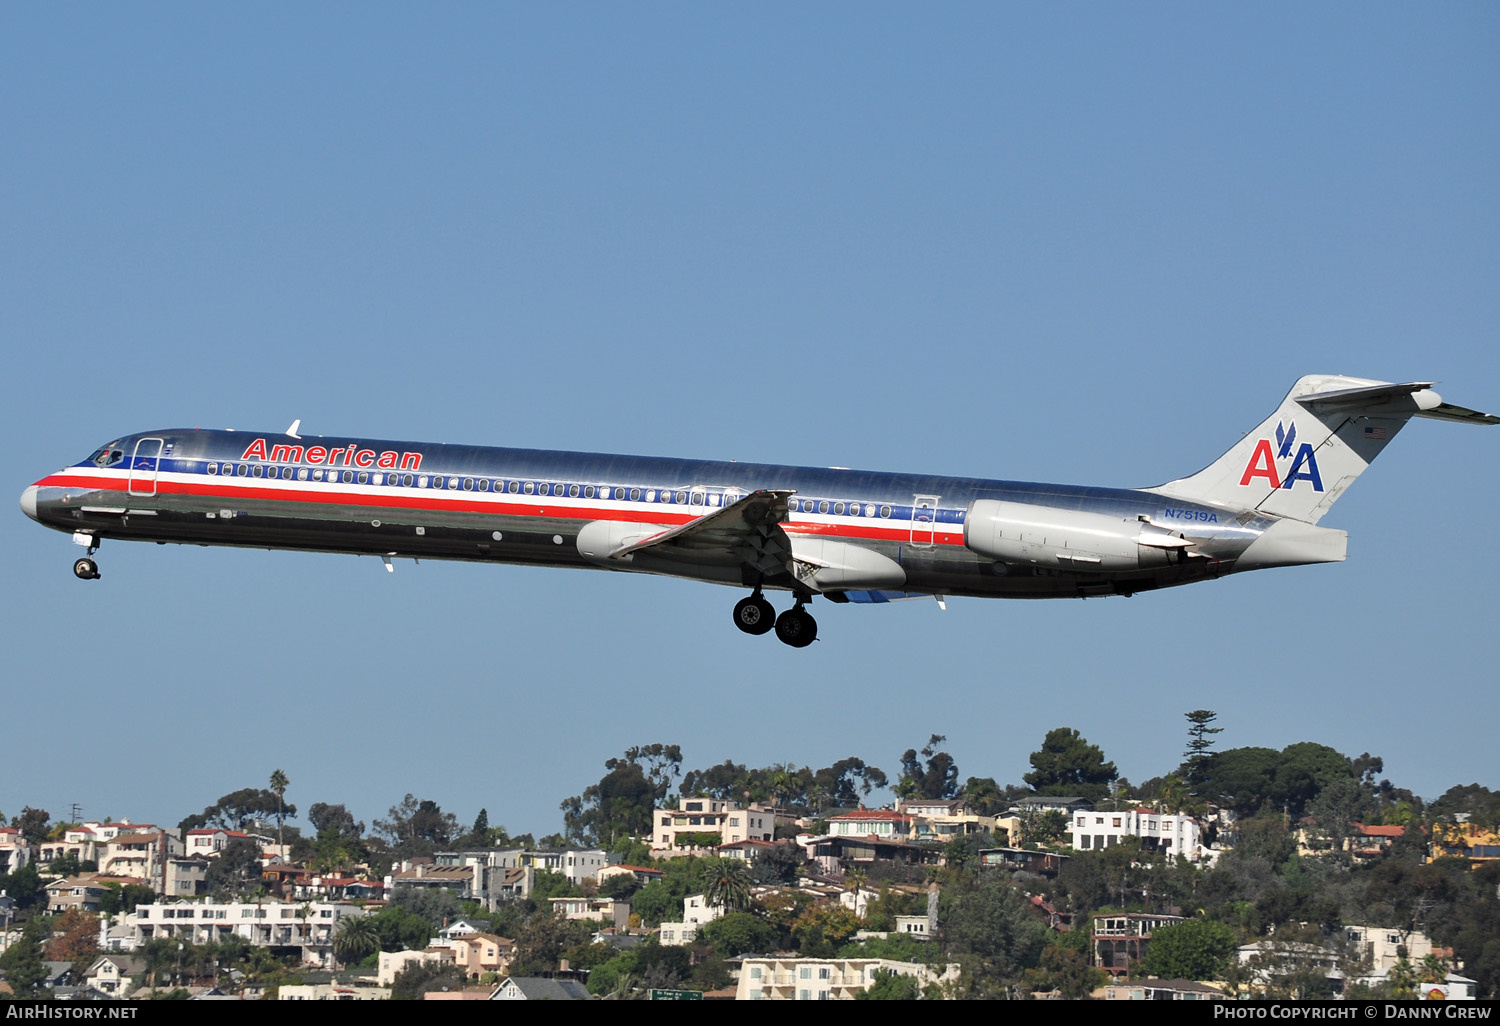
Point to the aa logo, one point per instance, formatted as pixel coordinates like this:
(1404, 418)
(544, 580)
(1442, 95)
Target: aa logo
(1264, 461)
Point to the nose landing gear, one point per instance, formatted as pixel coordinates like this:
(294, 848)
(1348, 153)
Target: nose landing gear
(84, 568)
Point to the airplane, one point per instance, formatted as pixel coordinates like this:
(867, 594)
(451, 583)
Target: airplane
(845, 535)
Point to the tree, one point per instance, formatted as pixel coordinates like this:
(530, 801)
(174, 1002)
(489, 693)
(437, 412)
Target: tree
(419, 978)
(1196, 949)
(417, 827)
(728, 885)
(357, 938)
(22, 963)
(279, 784)
(239, 809)
(236, 870)
(334, 819)
(1200, 738)
(75, 936)
(622, 802)
(33, 823)
(889, 986)
(739, 933)
(995, 926)
(1067, 765)
(937, 779)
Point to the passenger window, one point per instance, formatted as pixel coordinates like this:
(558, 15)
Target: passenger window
(468, 484)
(682, 496)
(635, 495)
(364, 478)
(484, 485)
(697, 498)
(422, 481)
(885, 511)
(213, 468)
(241, 470)
(529, 488)
(348, 476)
(823, 506)
(838, 508)
(715, 499)
(453, 482)
(437, 482)
(513, 487)
(588, 492)
(573, 491)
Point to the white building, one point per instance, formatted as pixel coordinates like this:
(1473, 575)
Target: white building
(826, 979)
(695, 912)
(731, 822)
(266, 924)
(1170, 833)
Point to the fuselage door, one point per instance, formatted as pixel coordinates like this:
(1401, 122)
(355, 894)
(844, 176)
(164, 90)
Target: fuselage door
(923, 520)
(144, 463)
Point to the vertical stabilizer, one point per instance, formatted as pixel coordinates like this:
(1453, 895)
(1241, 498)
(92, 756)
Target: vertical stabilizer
(1326, 431)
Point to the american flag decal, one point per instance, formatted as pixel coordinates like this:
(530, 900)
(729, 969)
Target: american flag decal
(1375, 433)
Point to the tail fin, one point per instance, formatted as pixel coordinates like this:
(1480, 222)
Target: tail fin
(1324, 434)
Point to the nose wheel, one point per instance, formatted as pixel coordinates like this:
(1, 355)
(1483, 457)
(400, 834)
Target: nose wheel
(85, 569)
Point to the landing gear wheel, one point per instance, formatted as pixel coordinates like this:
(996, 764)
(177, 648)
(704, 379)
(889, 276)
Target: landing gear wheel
(796, 628)
(754, 615)
(86, 569)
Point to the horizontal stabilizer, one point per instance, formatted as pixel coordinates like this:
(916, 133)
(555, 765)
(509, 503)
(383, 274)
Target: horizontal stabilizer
(1324, 434)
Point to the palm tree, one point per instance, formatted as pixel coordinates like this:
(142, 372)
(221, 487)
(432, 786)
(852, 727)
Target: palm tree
(729, 886)
(279, 784)
(356, 939)
(855, 880)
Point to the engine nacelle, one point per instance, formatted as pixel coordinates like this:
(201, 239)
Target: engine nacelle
(1020, 533)
(598, 538)
(828, 565)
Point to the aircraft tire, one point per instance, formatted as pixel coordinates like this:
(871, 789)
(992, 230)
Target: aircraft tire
(86, 569)
(754, 615)
(796, 628)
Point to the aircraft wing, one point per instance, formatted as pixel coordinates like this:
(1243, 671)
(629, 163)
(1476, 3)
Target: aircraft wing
(747, 530)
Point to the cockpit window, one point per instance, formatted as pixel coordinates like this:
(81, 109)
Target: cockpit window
(108, 456)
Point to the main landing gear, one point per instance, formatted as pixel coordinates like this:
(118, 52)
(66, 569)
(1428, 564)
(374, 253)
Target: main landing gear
(795, 627)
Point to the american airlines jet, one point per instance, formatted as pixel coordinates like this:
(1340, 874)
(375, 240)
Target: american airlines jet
(845, 535)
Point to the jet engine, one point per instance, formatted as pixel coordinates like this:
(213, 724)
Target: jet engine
(1020, 533)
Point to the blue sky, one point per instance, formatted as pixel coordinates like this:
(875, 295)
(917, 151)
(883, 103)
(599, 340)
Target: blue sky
(1087, 244)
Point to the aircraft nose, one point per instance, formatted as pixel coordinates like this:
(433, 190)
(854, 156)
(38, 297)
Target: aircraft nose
(28, 502)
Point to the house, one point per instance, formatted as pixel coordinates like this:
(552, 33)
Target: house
(14, 851)
(1169, 833)
(1042, 863)
(463, 881)
(209, 842)
(882, 824)
(110, 974)
(334, 991)
(695, 912)
(577, 864)
(1047, 803)
(942, 820)
(682, 829)
(533, 988)
(86, 841)
(1120, 941)
(831, 852)
(478, 953)
(392, 962)
(608, 909)
(768, 978)
(85, 891)
(747, 850)
(308, 926)
(1153, 989)
(1385, 946)
(140, 854)
(642, 874)
(1465, 841)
